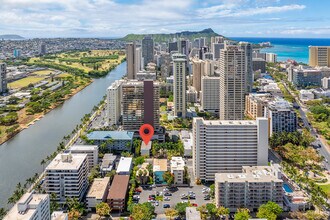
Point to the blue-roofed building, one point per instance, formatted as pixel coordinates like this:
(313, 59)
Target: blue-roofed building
(122, 140)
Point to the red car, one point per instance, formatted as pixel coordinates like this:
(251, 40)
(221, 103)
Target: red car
(194, 204)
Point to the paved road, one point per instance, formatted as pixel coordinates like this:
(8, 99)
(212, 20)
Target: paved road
(303, 110)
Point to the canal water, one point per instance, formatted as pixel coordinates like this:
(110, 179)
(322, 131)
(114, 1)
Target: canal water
(20, 157)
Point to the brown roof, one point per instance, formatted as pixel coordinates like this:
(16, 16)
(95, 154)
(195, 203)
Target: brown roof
(118, 187)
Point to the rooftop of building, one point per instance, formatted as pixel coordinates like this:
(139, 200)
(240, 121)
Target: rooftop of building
(83, 147)
(251, 174)
(107, 161)
(177, 163)
(59, 215)
(145, 146)
(159, 165)
(106, 135)
(125, 164)
(25, 207)
(230, 122)
(67, 161)
(279, 105)
(98, 188)
(118, 187)
(135, 83)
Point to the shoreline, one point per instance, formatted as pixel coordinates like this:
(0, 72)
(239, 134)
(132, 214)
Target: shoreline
(39, 116)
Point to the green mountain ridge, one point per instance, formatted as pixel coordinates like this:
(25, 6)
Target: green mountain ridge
(11, 37)
(167, 37)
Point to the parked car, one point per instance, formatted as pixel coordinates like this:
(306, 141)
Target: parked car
(166, 206)
(156, 203)
(167, 199)
(167, 194)
(194, 204)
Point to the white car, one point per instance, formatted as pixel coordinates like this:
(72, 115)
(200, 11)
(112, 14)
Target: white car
(167, 199)
(157, 203)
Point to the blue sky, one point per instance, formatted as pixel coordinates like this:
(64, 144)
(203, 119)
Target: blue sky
(116, 18)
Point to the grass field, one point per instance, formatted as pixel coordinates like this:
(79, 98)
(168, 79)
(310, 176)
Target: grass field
(18, 84)
(43, 72)
(326, 189)
(105, 65)
(62, 75)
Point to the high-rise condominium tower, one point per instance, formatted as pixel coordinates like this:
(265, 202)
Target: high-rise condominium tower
(147, 50)
(140, 104)
(221, 146)
(179, 84)
(3, 78)
(131, 60)
(233, 77)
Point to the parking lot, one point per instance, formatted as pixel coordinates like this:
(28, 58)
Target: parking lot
(175, 197)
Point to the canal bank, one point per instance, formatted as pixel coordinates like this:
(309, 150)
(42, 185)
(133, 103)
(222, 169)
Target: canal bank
(20, 157)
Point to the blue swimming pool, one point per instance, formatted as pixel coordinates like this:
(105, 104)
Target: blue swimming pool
(287, 188)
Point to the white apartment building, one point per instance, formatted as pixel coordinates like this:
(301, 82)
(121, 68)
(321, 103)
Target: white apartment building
(253, 187)
(124, 166)
(306, 95)
(271, 57)
(281, 116)
(98, 192)
(30, 207)
(210, 94)
(179, 84)
(113, 102)
(326, 83)
(177, 169)
(66, 176)
(233, 82)
(91, 151)
(225, 146)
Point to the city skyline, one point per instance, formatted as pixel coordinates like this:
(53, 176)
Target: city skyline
(110, 18)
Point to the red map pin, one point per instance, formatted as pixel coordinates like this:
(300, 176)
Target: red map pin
(146, 133)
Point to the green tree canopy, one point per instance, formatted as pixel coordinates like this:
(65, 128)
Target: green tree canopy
(242, 214)
(270, 211)
(103, 209)
(144, 211)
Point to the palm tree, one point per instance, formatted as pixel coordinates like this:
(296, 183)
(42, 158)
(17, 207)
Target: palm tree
(42, 163)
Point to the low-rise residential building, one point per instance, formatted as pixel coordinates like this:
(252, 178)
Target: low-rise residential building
(306, 95)
(253, 187)
(186, 139)
(116, 140)
(281, 116)
(178, 169)
(117, 192)
(193, 214)
(30, 207)
(108, 162)
(319, 93)
(145, 148)
(67, 176)
(98, 192)
(91, 151)
(124, 166)
(255, 104)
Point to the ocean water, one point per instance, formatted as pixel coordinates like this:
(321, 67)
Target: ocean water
(288, 48)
